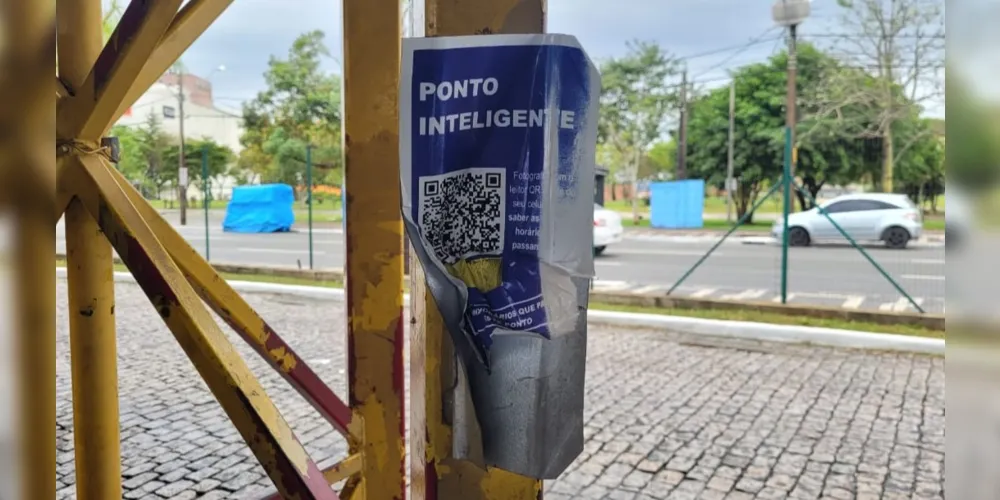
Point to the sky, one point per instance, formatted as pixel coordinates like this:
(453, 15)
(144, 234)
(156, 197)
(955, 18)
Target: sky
(250, 31)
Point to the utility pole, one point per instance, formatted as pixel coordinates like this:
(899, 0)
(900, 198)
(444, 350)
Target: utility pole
(682, 134)
(791, 114)
(730, 184)
(789, 13)
(182, 171)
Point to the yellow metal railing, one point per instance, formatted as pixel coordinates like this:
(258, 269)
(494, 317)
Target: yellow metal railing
(95, 83)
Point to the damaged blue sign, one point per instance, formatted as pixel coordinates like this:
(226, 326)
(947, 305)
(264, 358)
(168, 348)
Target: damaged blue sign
(497, 139)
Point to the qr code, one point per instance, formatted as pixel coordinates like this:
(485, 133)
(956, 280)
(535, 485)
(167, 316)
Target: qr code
(462, 213)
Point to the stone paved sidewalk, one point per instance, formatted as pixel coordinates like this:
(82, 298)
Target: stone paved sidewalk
(668, 416)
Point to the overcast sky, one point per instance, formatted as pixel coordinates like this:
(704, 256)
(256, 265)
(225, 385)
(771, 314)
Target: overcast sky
(252, 30)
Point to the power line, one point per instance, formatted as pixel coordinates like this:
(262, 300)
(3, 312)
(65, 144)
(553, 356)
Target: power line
(904, 36)
(723, 50)
(756, 40)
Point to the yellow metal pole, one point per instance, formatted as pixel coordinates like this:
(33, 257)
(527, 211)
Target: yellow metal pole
(374, 231)
(436, 475)
(91, 289)
(28, 30)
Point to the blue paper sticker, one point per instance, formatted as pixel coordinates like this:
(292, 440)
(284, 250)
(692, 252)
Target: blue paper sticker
(493, 140)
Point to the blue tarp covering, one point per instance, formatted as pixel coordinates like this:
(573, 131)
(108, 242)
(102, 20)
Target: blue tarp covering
(677, 204)
(266, 208)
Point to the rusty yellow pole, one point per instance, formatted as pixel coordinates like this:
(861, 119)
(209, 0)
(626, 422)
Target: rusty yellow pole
(374, 233)
(437, 476)
(91, 289)
(28, 30)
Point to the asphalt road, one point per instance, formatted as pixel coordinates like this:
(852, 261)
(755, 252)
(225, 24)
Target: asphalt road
(648, 262)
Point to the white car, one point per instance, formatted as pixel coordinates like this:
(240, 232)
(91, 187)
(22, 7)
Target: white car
(607, 228)
(890, 218)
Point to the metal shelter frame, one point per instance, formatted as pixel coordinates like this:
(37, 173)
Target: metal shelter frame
(96, 83)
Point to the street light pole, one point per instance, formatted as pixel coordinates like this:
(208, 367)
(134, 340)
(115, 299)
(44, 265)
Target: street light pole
(182, 172)
(792, 111)
(729, 159)
(789, 13)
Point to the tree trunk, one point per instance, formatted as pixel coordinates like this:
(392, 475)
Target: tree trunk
(811, 185)
(888, 161)
(635, 201)
(744, 199)
(635, 188)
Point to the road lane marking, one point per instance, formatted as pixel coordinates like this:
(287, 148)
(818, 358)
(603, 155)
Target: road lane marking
(280, 250)
(923, 277)
(610, 285)
(853, 302)
(704, 292)
(928, 261)
(647, 289)
(788, 298)
(746, 294)
(900, 305)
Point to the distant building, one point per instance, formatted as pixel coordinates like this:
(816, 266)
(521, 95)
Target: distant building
(202, 119)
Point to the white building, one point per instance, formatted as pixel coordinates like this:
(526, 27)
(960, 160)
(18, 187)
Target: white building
(202, 120)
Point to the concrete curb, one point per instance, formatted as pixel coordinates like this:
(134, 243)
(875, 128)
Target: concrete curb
(929, 321)
(746, 330)
(708, 327)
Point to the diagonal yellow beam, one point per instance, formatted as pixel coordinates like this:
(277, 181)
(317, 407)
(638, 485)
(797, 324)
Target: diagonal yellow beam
(343, 469)
(90, 111)
(193, 19)
(228, 377)
(237, 313)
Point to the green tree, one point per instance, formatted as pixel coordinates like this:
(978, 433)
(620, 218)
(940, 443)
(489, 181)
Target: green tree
(759, 143)
(636, 97)
(132, 163)
(219, 159)
(660, 160)
(920, 172)
(153, 143)
(759, 138)
(300, 106)
(898, 48)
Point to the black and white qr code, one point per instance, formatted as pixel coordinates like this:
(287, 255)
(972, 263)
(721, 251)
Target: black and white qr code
(462, 213)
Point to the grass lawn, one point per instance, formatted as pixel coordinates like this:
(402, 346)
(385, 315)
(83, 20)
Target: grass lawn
(719, 314)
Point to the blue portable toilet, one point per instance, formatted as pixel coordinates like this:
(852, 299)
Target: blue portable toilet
(266, 208)
(677, 204)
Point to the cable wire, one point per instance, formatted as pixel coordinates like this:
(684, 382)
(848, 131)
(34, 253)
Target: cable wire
(756, 40)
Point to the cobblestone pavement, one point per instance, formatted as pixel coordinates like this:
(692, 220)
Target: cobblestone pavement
(668, 416)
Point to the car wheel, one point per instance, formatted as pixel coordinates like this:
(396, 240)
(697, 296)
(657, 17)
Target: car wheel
(798, 237)
(599, 250)
(896, 238)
